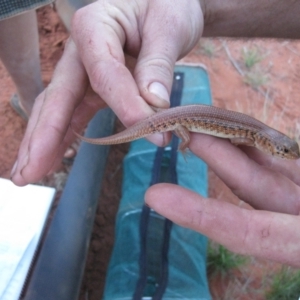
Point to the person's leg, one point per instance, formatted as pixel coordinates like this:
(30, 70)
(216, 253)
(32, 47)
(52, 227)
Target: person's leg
(19, 53)
(67, 8)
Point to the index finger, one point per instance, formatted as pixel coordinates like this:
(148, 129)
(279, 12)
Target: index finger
(50, 118)
(260, 233)
(257, 185)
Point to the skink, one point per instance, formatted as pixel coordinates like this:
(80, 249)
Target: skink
(240, 128)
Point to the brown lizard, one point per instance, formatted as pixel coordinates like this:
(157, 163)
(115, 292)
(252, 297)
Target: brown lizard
(240, 128)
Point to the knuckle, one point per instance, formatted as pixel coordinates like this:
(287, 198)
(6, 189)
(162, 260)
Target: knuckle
(99, 80)
(127, 118)
(78, 17)
(81, 29)
(163, 67)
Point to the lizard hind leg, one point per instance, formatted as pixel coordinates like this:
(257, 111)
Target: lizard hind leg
(184, 134)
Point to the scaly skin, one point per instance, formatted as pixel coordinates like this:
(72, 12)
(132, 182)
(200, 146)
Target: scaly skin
(241, 129)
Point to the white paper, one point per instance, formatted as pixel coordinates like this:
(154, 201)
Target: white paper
(23, 212)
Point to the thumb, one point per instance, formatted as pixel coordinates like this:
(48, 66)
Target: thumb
(154, 76)
(168, 34)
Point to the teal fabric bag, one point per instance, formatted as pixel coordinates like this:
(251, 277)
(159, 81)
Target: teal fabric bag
(153, 258)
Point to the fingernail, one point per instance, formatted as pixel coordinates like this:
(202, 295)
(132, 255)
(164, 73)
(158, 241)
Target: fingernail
(13, 170)
(159, 90)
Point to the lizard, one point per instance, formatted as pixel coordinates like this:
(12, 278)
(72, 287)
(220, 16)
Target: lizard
(239, 128)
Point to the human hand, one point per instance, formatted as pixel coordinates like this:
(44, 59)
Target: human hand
(156, 33)
(268, 184)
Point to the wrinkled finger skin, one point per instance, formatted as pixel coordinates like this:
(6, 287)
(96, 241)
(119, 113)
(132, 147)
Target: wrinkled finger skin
(93, 73)
(263, 181)
(271, 187)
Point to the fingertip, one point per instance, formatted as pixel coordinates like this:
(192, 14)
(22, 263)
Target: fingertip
(158, 95)
(176, 203)
(17, 176)
(154, 76)
(15, 180)
(154, 194)
(162, 196)
(18, 179)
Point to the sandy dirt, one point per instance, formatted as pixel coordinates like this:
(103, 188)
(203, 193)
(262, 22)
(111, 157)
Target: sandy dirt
(270, 95)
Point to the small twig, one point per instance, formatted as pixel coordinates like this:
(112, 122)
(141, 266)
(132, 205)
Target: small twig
(292, 50)
(234, 63)
(58, 42)
(242, 73)
(265, 94)
(266, 102)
